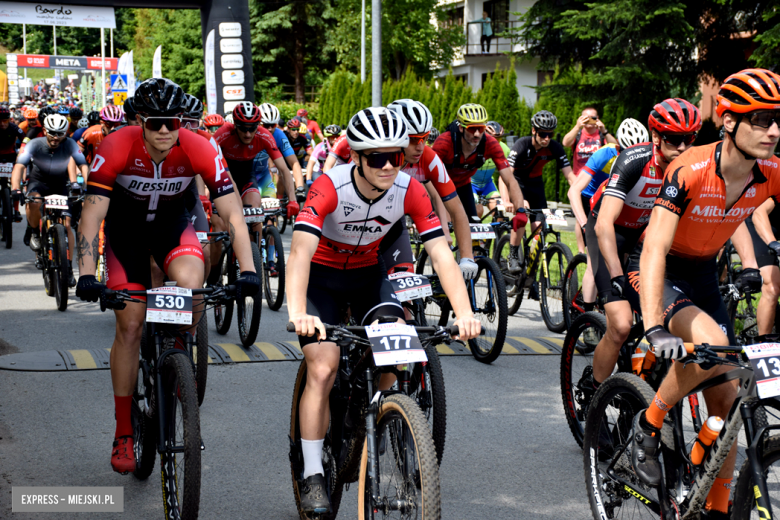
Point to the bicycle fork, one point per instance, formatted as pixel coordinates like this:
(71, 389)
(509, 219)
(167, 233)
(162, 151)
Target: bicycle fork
(371, 444)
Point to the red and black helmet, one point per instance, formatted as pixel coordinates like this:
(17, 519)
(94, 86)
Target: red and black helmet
(4, 112)
(674, 116)
(749, 90)
(302, 112)
(246, 112)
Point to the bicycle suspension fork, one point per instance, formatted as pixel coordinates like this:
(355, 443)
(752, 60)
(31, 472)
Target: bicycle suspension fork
(371, 444)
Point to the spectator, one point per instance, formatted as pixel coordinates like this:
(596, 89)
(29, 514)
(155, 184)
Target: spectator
(587, 136)
(487, 32)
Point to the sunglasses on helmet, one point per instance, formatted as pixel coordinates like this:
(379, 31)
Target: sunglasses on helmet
(414, 140)
(763, 119)
(678, 139)
(473, 129)
(156, 123)
(380, 159)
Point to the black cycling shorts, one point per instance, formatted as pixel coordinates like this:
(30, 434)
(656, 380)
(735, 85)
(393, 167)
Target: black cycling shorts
(626, 240)
(764, 255)
(366, 291)
(195, 207)
(396, 249)
(43, 189)
(128, 248)
(536, 199)
(466, 196)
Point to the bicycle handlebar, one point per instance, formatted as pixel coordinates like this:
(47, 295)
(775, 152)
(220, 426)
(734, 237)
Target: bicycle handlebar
(451, 330)
(116, 299)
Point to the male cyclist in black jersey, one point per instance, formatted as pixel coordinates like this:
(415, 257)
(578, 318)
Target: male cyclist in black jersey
(46, 160)
(333, 262)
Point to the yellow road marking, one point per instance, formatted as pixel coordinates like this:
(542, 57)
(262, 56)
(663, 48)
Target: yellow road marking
(83, 359)
(270, 351)
(444, 350)
(195, 354)
(557, 341)
(235, 352)
(509, 349)
(296, 345)
(533, 345)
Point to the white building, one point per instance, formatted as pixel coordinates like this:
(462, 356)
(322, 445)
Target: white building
(472, 63)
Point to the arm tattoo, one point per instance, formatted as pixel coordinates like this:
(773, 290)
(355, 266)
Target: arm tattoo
(95, 242)
(232, 233)
(82, 246)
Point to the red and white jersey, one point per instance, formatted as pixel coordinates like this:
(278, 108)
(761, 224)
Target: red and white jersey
(341, 150)
(431, 169)
(350, 227)
(239, 156)
(141, 190)
(210, 138)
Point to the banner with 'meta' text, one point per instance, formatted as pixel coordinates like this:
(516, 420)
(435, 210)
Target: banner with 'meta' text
(45, 61)
(43, 13)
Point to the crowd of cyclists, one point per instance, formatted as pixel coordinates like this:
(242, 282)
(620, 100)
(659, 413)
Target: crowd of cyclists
(653, 211)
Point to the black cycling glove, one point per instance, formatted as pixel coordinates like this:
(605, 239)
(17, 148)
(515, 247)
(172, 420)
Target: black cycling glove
(774, 246)
(248, 284)
(619, 284)
(749, 281)
(300, 195)
(18, 196)
(665, 345)
(89, 289)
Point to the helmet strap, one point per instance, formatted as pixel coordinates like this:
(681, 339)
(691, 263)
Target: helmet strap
(733, 136)
(360, 172)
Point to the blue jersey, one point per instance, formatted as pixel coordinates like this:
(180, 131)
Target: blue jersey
(598, 166)
(260, 166)
(77, 134)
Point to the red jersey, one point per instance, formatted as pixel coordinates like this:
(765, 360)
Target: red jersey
(351, 227)
(431, 169)
(313, 127)
(240, 156)
(90, 141)
(462, 172)
(695, 190)
(213, 143)
(140, 189)
(585, 145)
(341, 150)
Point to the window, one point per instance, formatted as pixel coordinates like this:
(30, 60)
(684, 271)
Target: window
(454, 17)
(461, 77)
(498, 11)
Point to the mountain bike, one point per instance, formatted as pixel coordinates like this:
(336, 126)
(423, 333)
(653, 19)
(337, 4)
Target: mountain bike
(8, 214)
(164, 409)
(487, 295)
(573, 301)
(553, 256)
(614, 490)
(53, 257)
(273, 259)
(379, 439)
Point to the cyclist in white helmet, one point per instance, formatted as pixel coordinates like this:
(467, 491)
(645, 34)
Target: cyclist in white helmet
(333, 262)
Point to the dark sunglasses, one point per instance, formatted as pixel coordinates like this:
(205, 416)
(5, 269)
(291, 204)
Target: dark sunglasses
(55, 134)
(544, 135)
(764, 119)
(380, 159)
(268, 126)
(414, 140)
(473, 129)
(247, 129)
(213, 129)
(32, 121)
(293, 129)
(154, 124)
(678, 139)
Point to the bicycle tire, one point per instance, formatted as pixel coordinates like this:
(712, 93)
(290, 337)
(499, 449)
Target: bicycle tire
(628, 394)
(296, 457)
(181, 501)
(744, 498)
(61, 266)
(8, 217)
(437, 419)
(223, 312)
(202, 356)
(435, 309)
(249, 322)
(401, 409)
(514, 286)
(572, 289)
(573, 351)
(481, 348)
(144, 430)
(274, 297)
(551, 285)
(48, 272)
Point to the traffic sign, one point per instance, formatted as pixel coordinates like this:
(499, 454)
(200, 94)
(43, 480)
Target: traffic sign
(120, 98)
(118, 82)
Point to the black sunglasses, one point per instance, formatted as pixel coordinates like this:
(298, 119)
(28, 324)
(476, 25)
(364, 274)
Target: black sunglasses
(55, 134)
(380, 159)
(678, 139)
(247, 129)
(156, 123)
(763, 119)
(544, 135)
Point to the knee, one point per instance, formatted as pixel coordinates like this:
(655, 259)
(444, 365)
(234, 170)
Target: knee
(130, 330)
(320, 375)
(619, 330)
(771, 288)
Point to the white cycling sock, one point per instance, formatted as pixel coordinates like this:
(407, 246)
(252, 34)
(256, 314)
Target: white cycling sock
(312, 457)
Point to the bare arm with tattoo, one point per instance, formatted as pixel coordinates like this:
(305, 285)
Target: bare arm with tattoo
(94, 212)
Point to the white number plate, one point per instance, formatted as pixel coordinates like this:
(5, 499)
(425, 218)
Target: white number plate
(408, 286)
(202, 236)
(395, 344)
(169, 305)
(557, 218)
(6, 169)
(252, 215)
(765, 358)
(270, 203)
(482, 231)
(56, 202)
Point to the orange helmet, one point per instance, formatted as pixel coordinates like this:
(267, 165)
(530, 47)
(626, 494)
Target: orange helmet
(30, 113)
(749, 90)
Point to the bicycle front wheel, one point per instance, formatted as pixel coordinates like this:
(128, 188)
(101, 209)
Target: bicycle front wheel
(436, 309)
(551, 283)
(144, 428)
(487, 293)
(249, 307)
(61, 265)
(273, 280)
(202, 356)
(573, 302)
(428, 392)
(513, 281)
(223, 312)
(744, 498)
(180, 464)
(408, 473)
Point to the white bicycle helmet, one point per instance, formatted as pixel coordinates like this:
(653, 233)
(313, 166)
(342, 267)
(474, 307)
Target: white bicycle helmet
(229, 117)
(631, 132)
(416, 115)
(83, 122)
(56, 123)
(377, 127)
(269, 114)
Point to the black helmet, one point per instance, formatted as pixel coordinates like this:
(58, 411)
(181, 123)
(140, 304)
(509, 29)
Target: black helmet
(159, 97)
(93, 118)
(433, 135)
(129, 109)
(545, 121)
(46, 111)
(193, 108)
(495, 129)
(76, 114)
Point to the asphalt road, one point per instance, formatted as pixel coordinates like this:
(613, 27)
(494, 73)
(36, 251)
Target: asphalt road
(509, 453)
